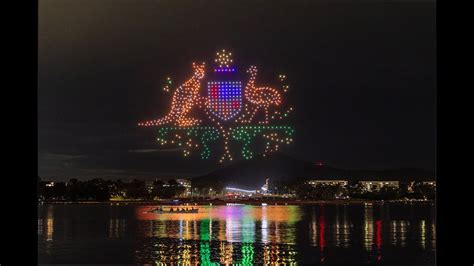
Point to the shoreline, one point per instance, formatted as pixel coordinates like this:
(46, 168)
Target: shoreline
(237, 202)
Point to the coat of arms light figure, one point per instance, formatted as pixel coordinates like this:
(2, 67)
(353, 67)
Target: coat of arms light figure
(231, 110)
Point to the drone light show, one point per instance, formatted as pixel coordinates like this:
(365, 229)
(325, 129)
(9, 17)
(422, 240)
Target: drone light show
(219, 108)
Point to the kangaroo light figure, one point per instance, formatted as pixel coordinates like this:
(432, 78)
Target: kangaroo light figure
(185, 98)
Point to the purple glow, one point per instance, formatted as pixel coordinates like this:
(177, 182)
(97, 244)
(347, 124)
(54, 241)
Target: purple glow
(224, 69)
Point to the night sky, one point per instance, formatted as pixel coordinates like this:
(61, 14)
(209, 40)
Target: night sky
(362, 77)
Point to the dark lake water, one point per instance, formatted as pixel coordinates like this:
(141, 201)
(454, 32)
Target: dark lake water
(330, 234)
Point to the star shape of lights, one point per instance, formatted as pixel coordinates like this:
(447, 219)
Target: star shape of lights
(224, 59)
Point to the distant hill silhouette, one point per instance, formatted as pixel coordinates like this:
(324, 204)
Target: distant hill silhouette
(251, 174)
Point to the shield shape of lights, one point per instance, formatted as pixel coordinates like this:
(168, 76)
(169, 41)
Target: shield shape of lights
(224, 98)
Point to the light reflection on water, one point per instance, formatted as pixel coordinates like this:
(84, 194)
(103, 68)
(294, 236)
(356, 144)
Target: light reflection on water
(320, 234)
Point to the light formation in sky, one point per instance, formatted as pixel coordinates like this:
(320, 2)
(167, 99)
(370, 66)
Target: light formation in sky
(233, 112)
